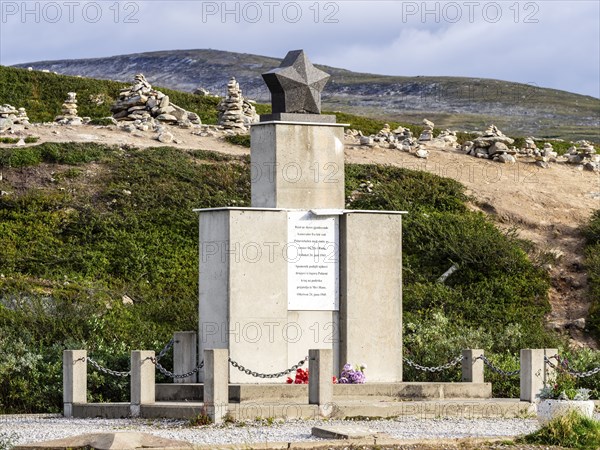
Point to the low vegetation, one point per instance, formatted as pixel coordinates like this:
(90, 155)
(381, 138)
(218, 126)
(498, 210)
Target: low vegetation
(97, 224)
(592, 253)
(42, 95)
(98, 250)
(570, 431)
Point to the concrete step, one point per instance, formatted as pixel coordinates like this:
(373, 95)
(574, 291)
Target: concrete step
(299, 392)
(355, 408)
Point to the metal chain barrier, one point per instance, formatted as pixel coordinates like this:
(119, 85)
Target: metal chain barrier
(164, 351)
(169, 374)
(505, 373)
(107, 371)
(563, 365)
(452, 363)
(267, 375)
(116, 373)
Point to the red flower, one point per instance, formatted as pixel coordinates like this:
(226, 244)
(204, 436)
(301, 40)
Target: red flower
(289, 380)
(334, 380)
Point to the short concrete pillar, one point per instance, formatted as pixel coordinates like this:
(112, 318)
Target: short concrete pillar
(74, 379)
(534, 372)
(472, 366)
(185, 350)
(320, 380)
(143, 386)
(216, 383)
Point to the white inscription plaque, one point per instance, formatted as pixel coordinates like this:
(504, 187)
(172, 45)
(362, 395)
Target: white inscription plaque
(313, 262)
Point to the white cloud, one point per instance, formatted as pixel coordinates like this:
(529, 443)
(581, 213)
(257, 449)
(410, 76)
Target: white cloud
(388, 37)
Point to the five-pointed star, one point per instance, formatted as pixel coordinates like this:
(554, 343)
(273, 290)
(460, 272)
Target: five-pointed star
(296, 85)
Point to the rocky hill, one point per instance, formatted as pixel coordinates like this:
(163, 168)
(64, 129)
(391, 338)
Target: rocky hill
(460, 103)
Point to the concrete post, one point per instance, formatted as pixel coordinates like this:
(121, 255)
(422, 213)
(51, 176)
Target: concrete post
(216, 383)
(143, 387)
(472, 367)
(74, 379)
(534, 372)
(320, 383)
(185, 350)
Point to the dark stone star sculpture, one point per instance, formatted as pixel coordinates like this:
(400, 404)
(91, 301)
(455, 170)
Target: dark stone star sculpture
(296, 85)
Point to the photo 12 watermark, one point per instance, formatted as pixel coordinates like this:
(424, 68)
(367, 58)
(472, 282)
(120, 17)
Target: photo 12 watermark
(470, 12)
(69, 12)
(270, 12)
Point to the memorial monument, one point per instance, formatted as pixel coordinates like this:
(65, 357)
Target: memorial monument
(296, 270)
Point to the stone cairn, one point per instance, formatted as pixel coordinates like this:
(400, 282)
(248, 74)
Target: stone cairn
(10, 116)
(69, 111)
(427, 133)
(492, 144)
(584, 153)
(140, 105)
(400, 138)
(235, 112)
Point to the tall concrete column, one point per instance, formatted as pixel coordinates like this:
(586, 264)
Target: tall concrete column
(534, 372)
(320, 382)
(216, 383)
(74, 379)
(185, 350)
(472, 366)
(143, 388)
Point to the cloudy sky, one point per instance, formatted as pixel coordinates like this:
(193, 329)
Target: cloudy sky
(547, 43)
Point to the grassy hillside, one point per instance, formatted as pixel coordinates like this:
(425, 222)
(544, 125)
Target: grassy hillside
(42, 95)
(93, 224)
(451, 102)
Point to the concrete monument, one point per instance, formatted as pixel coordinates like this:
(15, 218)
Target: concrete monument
(297, 271)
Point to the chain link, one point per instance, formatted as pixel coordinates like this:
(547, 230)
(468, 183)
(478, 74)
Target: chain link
(164, 351)
(267, 375)
(105, 370)
(452, 363)
(506, 373)
(169, 374)
(116, 373)
(563, 365)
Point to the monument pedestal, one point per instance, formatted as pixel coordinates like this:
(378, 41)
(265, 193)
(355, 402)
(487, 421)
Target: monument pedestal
(297, 164)
(275, 283)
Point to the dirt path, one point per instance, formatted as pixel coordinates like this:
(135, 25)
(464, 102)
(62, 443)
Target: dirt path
(546, 206)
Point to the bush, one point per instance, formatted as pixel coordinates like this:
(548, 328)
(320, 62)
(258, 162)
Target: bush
(71, 250)
(570, 431)
(239, 139)
(592, 261)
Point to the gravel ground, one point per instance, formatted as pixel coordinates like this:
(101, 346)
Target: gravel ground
(27, 429)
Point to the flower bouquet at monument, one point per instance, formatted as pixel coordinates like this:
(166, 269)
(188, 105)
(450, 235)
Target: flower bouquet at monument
(353, 375)
(302, 378)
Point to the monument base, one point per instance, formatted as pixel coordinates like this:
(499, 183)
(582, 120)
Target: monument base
(253, 283)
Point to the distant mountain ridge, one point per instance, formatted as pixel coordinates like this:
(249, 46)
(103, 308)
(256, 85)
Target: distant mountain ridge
(460, 103)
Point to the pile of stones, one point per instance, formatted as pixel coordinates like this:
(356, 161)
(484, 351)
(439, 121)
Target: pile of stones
(10, 116)
(400, 138)
(235, 112)
(492, 144)
(427, 133)
(69, 111)
(141, 105)
(584, 153)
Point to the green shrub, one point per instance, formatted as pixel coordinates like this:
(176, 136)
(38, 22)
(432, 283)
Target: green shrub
(239, 139)
(570, 431)
(592, 261)
(71, 250)
(102, 121)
